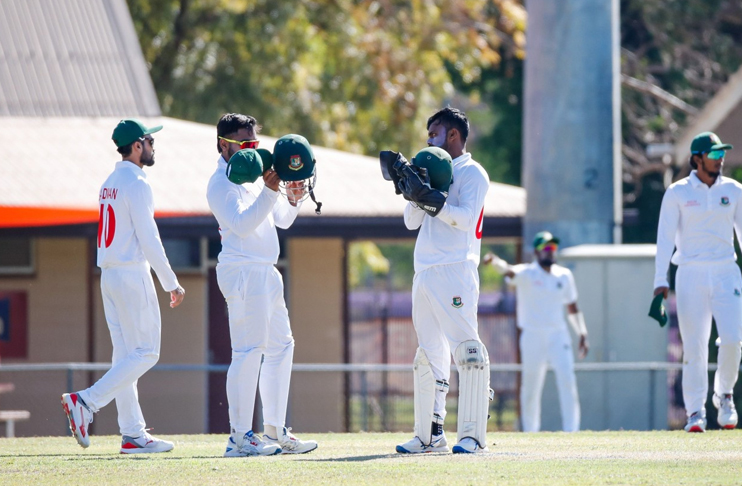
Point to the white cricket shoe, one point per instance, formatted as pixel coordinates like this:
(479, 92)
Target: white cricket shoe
(727, 417)
(696, 423)
(416, 446)
(290, 444)
(79, 417)
(468, 445)
(145, 444)
(250, 445)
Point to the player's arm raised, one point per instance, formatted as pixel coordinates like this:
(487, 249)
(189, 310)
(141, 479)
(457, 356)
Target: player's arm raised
(243, 219)
(465, 215)
(502, 267)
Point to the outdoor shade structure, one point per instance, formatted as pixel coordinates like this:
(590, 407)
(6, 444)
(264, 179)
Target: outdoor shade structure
(53, 190)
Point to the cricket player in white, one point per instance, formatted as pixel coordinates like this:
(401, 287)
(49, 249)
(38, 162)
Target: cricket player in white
(698, 217)
(445, 295)
(253, 288)
(128, 243)
(543, 290)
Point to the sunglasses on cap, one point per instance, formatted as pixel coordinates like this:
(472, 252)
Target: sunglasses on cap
(244, 144)
(547, 246)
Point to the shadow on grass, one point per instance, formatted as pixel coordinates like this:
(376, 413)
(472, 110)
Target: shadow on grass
(362, 458)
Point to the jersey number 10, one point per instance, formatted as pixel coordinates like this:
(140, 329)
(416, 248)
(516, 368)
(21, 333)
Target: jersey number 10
(106, 225)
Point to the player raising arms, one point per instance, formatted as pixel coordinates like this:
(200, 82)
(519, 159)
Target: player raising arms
(698, 217)
(128, 243)
(248, 211)
(447, 204)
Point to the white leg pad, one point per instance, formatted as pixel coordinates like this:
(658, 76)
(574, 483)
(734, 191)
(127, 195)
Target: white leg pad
(426, 387)
(473, 364)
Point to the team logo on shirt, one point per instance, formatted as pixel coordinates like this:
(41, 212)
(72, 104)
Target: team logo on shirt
(457, 302)
(725, 201)
(736, 292)
(559, 285)
(295, 162)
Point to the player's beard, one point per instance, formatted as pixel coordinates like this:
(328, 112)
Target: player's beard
(546, 261)
(149, 161)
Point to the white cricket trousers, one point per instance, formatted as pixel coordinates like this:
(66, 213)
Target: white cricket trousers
(704, 291)
(444, 313)
(540, 348)
(259, 329)
(133, 317)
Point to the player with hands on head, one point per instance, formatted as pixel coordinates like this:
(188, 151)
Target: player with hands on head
(248, 208)
(698, 218)
(543, 289)
(445, 289)
(128, 244)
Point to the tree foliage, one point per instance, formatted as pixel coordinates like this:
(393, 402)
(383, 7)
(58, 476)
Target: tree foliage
(357, 75)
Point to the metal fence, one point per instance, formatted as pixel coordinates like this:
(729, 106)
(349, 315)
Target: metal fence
(375, 407)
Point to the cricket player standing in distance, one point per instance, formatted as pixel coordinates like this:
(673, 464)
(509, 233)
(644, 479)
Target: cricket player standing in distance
(698, 217)
(543, 289)
(128, 243)
(445, 295)
(253, 288)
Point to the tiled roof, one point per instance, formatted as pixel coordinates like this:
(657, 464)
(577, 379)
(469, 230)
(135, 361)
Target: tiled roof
(72, 58)
(58, 164)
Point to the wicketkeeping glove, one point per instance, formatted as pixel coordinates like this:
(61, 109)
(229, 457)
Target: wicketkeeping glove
(388, 159)
(414, 185)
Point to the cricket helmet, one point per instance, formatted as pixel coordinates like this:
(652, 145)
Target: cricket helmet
(439, 166)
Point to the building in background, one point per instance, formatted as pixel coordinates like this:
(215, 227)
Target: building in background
(62, 90)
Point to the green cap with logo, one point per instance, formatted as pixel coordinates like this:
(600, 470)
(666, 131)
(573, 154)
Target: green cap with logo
(544, 237)
(293, 159)
(130, 130)
(439, 165)
(706, 142)
(244, 166)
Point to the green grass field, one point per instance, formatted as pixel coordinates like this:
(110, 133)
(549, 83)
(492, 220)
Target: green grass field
(585, 458)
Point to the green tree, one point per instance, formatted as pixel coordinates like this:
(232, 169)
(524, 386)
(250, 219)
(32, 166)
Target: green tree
(354, 75)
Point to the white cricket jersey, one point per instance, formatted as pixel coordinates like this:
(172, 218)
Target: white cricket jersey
(127, 233)
(455, 235)
(541, 295)
(699, 221)
(248, 215)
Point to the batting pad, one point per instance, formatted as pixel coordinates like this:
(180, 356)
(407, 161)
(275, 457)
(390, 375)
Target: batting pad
(425, 389)
(473, 364)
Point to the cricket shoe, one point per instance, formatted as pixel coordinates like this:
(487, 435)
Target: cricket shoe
(727, 417)
(145, 444)
(290, 444)
(416, 446)
(250, 445)
(79, 417)
(468, 445)
(696, 423)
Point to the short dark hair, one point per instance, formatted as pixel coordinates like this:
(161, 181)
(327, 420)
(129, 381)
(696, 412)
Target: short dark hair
(231, 123)
(693, 162)
(125, 151)
(452, 118)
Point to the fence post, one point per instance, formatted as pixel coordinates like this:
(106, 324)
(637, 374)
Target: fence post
(70, 378)
(364, 400)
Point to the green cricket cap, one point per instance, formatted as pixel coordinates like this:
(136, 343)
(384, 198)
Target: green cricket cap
(543, 237)
(267, 158)
(657, 310)
(706, 142)
(244, 166)
(129, 130)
